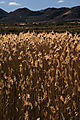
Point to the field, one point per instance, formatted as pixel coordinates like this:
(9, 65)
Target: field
(40, 27)
(40, 76)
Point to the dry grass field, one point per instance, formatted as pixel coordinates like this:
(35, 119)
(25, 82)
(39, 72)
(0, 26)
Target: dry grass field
(40, 76)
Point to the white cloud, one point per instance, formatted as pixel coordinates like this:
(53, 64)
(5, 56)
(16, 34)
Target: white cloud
(14, 4)
(2, 2)
(60, 1)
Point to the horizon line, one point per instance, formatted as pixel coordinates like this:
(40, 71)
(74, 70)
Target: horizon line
(39, 9)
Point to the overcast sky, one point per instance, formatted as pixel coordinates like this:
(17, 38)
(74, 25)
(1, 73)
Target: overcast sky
(10, 5)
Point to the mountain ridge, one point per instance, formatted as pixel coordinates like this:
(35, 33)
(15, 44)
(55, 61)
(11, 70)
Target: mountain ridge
(20, 15)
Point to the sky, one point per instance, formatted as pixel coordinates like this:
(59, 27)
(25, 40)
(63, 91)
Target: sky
(11, 5)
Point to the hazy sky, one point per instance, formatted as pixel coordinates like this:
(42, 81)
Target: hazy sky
(10, 5)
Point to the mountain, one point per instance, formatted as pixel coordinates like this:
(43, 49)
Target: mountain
(50, 15)
(2, 13)
(71, 15)
(18, 15)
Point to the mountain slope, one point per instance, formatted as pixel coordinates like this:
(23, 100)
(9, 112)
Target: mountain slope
(2, 13)
(49, 14)
(72, 15)
(18, 15)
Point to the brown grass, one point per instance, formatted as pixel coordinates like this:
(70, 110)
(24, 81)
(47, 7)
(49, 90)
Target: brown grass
(40, 76)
